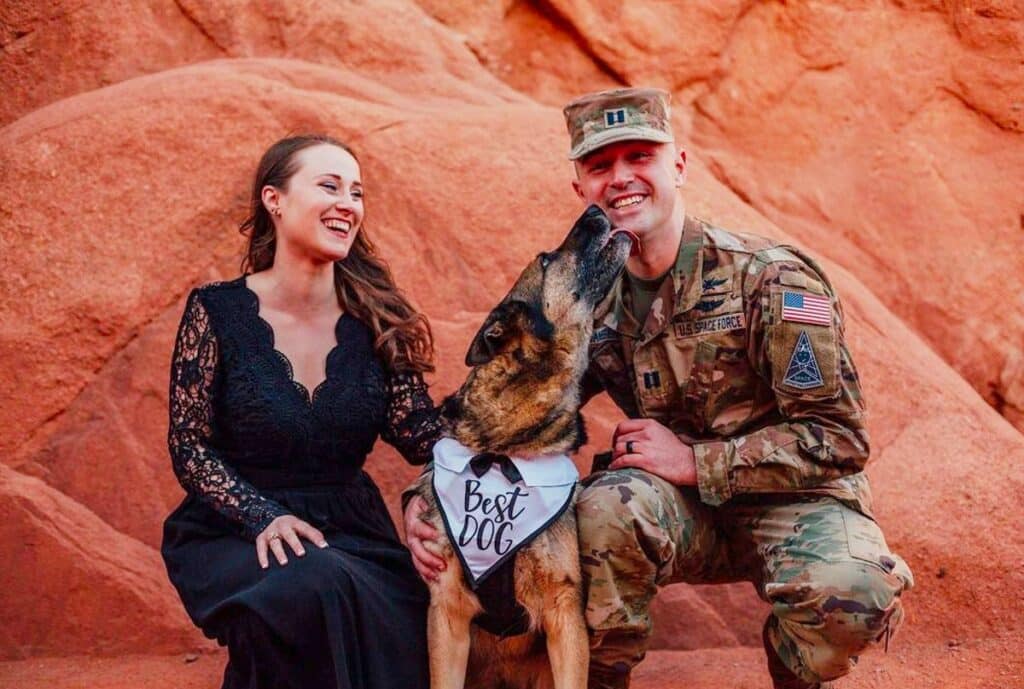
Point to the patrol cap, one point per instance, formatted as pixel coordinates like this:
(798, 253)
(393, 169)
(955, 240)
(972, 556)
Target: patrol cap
(598, 119)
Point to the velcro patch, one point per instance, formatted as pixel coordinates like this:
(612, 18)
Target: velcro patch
(802, 307)
(704, 326)
(803, 372)
(706, 305)
(613, 118)
(652, 380)
(603, 335)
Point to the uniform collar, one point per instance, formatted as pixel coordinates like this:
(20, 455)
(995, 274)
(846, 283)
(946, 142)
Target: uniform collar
(677, 295)
(545, 470)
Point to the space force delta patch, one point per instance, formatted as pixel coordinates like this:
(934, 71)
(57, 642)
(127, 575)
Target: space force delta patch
(803, 372)
(715, 324)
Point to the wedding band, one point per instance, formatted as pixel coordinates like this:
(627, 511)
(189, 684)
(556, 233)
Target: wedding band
(273, 536)
(629, 447)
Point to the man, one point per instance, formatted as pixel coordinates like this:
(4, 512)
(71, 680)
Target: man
(743, 453)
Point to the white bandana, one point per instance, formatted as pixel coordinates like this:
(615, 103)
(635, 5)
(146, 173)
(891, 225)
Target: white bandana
(488, 518)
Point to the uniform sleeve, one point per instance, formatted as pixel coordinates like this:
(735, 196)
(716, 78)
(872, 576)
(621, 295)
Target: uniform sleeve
(196, 462)
(797, 345)
(413, 422)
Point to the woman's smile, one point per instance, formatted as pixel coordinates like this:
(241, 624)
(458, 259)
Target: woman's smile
(338, 228)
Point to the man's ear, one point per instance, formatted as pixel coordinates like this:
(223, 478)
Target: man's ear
(680, 165)
(493, 337)
(577, 188)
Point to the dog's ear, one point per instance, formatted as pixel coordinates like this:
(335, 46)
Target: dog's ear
(494, 335)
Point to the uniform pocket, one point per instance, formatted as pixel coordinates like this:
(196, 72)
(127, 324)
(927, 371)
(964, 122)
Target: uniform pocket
(698, 387)
(866, 542)
(655, 378)
(722, 384)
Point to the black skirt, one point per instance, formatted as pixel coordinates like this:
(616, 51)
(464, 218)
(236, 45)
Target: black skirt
(349, 615)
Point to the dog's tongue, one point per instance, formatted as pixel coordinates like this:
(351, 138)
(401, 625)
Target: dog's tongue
(634, 250)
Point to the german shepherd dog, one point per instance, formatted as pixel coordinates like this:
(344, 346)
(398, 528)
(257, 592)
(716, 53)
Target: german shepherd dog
(522, 399)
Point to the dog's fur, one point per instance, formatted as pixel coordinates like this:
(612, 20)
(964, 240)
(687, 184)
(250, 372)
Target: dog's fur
(522, 398)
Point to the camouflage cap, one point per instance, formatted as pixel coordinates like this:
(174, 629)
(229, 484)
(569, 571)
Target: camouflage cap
(598, 119)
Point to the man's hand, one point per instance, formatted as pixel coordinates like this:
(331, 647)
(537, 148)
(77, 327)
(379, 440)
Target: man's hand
(655, 449)
(422, 540)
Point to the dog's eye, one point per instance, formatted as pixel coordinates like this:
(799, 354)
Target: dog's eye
(545, 260)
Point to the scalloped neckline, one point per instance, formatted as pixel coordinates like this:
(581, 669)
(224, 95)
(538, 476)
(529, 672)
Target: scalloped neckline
(302, 389)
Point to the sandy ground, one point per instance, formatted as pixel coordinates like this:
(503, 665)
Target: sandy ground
(993, 663)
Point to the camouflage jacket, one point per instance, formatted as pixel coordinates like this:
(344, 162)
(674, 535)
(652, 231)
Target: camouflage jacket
(743, 356)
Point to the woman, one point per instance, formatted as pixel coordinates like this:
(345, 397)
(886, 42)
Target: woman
(281, 382)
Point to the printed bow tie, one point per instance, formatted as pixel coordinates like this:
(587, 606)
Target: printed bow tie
(483, 461)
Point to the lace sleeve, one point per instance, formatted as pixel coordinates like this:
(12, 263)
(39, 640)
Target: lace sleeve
(196, 463)
(413, 423)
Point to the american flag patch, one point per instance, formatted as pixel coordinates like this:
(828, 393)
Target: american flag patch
(806, 308)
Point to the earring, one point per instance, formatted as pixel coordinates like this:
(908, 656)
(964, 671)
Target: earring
(276, 212)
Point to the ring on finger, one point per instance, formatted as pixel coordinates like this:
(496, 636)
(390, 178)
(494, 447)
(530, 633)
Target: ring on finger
(273, 537)
(629, 447)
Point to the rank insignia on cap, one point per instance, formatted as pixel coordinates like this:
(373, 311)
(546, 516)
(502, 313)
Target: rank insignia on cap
(614, 117)
(652, 379)
(803, 372)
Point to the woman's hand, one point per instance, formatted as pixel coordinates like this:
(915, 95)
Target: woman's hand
(422, 540)
(286, 528)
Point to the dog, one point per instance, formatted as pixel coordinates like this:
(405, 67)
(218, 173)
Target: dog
(521, 400)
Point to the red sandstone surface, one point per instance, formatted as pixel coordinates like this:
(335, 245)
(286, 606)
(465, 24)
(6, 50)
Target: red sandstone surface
(885, 137)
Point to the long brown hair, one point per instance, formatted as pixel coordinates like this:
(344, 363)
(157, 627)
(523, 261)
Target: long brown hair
(363, 281)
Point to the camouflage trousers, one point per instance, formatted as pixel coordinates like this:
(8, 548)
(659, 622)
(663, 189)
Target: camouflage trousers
(832, 583)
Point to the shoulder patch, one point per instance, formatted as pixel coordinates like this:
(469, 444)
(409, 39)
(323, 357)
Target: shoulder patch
(803, 372)
(802, 307)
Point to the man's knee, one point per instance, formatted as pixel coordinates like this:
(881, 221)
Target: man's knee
(833, 611)
(632, 512)
(857, 599)
(620, 497)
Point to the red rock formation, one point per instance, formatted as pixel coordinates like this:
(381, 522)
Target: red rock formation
(73, 585)
(55, 50)
(125, 175)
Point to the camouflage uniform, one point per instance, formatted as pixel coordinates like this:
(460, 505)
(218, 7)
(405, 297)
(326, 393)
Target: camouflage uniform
(731, 360)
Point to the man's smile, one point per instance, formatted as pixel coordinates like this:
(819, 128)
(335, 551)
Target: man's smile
(627, 201)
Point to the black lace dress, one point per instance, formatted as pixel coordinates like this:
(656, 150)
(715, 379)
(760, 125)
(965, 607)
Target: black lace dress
(248, 443)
